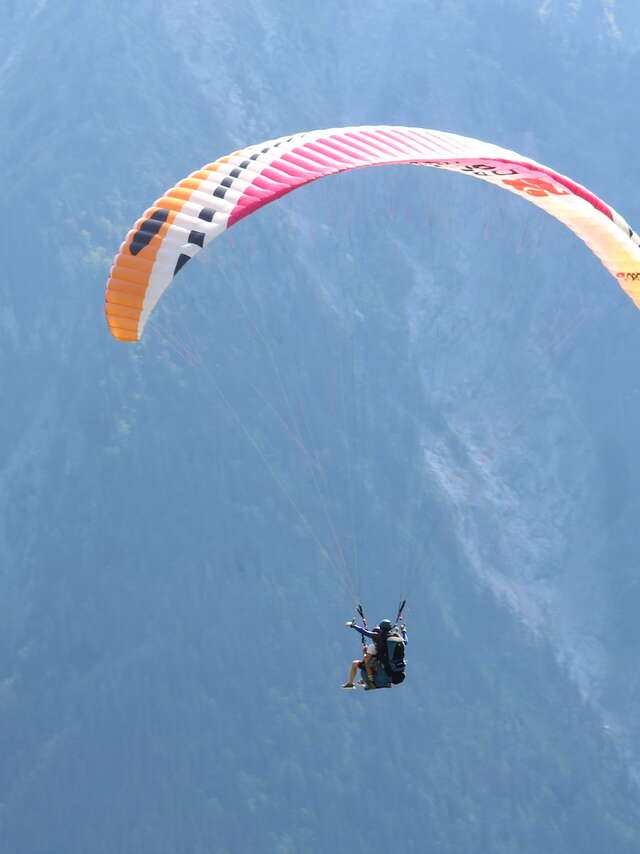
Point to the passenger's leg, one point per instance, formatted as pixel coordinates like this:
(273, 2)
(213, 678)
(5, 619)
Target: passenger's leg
(352, 675)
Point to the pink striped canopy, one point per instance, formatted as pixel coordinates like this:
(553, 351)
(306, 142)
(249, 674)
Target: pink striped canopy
(206, 203)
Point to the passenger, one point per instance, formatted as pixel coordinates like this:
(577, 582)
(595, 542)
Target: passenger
(369, 662)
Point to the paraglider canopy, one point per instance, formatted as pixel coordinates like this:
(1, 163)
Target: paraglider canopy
(209, 201)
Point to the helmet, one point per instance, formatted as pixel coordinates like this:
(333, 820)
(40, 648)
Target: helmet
(386, 625)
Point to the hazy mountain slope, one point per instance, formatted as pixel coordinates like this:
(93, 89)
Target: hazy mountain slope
(396, 369)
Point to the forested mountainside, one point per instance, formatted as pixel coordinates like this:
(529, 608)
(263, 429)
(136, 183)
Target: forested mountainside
(394, 381)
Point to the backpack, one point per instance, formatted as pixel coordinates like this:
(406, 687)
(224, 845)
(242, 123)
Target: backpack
(392, 658)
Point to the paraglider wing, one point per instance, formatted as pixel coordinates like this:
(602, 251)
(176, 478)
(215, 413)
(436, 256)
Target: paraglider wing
(206, 203)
